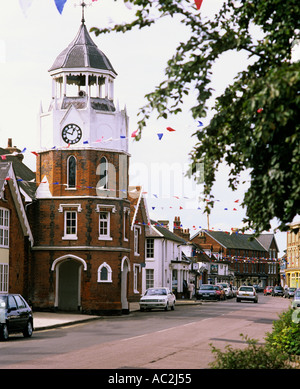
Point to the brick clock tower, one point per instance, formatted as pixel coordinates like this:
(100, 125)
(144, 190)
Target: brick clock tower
(82, 259)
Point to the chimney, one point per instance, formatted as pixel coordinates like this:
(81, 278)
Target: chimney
(13, 149)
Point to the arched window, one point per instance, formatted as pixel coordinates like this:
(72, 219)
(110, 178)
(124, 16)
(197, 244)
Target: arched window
(103, 173)
(71, 171)
(104, 273)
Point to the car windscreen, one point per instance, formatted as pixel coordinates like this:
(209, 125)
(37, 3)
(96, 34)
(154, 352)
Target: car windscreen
(246, 288)
(152, 292)
(207, 287)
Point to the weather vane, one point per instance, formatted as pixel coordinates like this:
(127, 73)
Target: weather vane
(83, 4)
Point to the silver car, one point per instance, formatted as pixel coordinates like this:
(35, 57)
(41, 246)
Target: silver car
(296, 301)
(155, 298)
(246, 293)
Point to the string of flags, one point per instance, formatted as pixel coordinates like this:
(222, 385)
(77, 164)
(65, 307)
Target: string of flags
(26, 4)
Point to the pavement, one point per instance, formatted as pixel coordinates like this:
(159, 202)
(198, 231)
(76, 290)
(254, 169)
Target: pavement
(47, 320)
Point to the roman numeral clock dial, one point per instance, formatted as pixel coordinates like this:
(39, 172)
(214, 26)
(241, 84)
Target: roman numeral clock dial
(71, 134)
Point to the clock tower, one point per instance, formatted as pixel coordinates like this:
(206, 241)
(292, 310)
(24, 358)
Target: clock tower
(82, 257)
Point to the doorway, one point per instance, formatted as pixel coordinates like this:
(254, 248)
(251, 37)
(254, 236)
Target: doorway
(69, 277)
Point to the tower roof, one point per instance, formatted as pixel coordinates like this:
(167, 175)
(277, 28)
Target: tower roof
(82, 52)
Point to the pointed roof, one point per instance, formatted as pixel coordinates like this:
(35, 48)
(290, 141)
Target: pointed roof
(82, 52)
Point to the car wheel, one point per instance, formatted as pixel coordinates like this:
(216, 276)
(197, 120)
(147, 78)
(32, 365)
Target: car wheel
(238, 300)
(28, 330)
(142, 309)
(167, 307)
(4, 332)
(173, 306)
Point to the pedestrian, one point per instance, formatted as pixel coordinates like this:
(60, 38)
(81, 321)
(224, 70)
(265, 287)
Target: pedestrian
(191, 290)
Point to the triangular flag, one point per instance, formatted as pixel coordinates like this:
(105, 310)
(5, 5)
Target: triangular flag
(60, 5)
(160, 135)
(198, 3)
(200, 123)
(170, 129)
(3, 157)
(133, 135)
(25, 5)
(33, 152)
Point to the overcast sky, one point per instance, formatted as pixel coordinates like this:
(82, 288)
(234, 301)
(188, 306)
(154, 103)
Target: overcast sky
(28, 47)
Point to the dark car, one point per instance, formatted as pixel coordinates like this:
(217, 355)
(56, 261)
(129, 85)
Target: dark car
(289, 292)
(207, 292)
(15, 316)
(277, 291)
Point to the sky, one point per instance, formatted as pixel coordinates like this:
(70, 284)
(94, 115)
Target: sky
(29, 43)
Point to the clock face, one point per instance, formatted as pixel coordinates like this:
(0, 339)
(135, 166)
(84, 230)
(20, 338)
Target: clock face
(71, 134)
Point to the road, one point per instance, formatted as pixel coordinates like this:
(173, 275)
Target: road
(178, 339)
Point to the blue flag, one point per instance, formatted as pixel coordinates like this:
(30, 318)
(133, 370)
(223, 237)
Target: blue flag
(60, 5)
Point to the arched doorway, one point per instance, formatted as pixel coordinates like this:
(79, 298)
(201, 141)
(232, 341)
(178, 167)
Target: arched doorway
(68, 282)
(125, 268)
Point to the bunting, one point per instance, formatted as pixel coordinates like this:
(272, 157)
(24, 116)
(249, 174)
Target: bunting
(198, 3)
(60, 5)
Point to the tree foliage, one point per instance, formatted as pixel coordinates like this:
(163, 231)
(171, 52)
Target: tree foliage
(255, 126)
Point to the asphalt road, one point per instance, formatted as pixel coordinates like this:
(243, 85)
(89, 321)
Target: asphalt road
(177, 339)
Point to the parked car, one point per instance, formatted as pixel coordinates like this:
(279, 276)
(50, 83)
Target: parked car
(220, 292)
(289, 292)
(234, 291)
(15, 316)
(268, 290)
(277, 291)
(157, 298)
(246, 293)
(296, 301)
(227, 289)
(207, 292)
(258, 288)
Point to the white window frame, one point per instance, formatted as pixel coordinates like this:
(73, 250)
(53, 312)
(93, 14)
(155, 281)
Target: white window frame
(136, 272)
(125, 223)
(149, 278)
(4, 227)
(136, 233)
(150, 248)
(100, 208)
(107, 220)
(109, 273)
(4, 277)
(72, 236)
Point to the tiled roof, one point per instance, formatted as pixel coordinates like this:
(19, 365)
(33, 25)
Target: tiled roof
(169, 235)
(82, 52)
(236, 240)
(24, 176)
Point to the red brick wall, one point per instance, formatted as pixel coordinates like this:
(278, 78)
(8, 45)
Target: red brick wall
(18, 248)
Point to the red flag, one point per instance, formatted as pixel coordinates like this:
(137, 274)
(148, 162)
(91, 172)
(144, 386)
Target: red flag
(33, 152)
(134, 134)
(198, 3)
(170, 129)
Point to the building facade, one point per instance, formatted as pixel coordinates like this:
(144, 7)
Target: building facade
(249, 262)
(292, 265)
(16, 238)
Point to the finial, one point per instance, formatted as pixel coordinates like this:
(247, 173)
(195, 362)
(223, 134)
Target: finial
(82, 5)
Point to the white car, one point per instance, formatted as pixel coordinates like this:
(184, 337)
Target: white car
(157, 298)
(246, 293)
